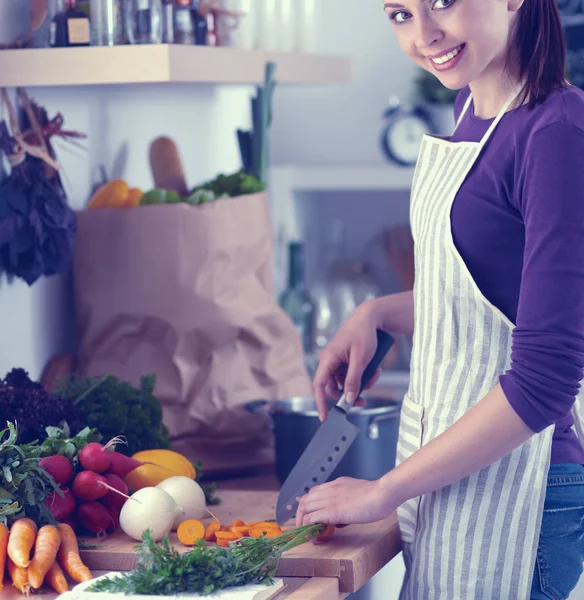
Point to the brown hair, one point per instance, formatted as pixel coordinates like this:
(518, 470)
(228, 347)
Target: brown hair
(540, 49)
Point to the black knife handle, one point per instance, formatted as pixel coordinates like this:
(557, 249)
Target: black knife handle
(384, 343)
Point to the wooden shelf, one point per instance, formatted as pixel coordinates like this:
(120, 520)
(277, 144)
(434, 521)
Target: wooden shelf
(164, 63)
(345, 178)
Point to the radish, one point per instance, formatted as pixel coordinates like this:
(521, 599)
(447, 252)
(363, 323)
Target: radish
(88, 485)
(114, 514)
(121, 465)
(149, 508)
(59, 467)
(61, 508)
(94, 517)
(111, 498)
(95, 457)
(189, 496)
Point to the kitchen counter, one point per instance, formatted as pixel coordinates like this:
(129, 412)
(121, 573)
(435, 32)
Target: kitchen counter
(328, 571)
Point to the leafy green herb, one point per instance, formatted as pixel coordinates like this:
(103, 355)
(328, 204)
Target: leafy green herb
(116, 408)
(59, 441)
(24, 486)
(163, 571)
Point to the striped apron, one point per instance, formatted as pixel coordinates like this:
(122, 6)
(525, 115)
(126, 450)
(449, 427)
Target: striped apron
(475, 539)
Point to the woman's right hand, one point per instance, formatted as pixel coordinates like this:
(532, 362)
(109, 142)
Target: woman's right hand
(343, 361)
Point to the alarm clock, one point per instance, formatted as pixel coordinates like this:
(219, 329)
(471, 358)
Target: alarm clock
(402, 134)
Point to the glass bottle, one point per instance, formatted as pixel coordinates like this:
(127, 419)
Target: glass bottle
(144, 21)
(295, 300)
(70, 27)
(168, 22)
(106, 22)
(184, 32)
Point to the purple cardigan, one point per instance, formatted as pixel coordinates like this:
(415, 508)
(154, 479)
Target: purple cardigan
(518, 223)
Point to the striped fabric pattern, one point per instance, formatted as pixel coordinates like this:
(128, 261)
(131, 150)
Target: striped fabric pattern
(475, 539)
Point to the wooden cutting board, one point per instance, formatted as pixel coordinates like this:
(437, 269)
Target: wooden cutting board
(354, 554)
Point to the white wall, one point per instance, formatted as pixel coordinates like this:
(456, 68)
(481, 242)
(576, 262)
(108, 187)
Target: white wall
(341, 124)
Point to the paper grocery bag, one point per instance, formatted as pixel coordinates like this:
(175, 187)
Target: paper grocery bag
(186, 292)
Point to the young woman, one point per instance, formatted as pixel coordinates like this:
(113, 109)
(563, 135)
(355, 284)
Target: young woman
(489, 486)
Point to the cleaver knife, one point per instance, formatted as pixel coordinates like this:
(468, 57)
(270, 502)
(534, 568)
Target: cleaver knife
(329, 444)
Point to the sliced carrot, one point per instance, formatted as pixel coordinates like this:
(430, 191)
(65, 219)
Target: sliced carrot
(46, 548)
(326, 534)
(212, 528)
(237, 523)
(266, 524)
(268, 532)
(19, 576)
(190, 531)
(226, 535)
(56, 579)
(68, 555)
(242, 530)
(3, 547)
(223, 543)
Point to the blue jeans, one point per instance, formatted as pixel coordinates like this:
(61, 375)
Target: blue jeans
(560, 552)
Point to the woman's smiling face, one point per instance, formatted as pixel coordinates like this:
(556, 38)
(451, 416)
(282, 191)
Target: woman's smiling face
(459, 41)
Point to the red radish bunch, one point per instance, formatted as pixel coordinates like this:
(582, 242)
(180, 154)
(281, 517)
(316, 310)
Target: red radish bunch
(93, 497)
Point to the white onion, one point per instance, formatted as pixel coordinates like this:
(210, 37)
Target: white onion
(189, 496)
(148, 508)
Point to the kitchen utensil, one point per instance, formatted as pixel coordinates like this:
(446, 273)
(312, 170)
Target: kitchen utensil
(295, 422)
(328, 446)
(166, 166)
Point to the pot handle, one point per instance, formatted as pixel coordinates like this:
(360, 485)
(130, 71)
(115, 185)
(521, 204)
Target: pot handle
(373, 427)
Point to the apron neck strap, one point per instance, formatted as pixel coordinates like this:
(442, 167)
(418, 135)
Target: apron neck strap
(497, 119)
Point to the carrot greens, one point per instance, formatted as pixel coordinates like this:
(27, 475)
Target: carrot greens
(23, 484)
(163, 571)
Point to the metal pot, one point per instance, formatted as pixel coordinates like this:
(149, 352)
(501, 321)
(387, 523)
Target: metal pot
(372, 454)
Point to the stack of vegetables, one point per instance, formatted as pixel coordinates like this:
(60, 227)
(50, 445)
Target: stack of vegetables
(32, 556)
(105, 403)
(118, 194)
(95, 481)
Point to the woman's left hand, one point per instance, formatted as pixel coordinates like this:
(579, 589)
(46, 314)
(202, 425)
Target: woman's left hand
(345, 501)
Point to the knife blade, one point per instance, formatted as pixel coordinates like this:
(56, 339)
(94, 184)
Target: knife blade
(329, 444)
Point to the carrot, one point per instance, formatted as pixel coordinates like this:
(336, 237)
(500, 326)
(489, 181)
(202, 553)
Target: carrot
(268, 532)
(56, 578)
(69, 558)
(326, 534)
(3, 547)
(19, 576)
(212, 528)
(223, 543)
(46, 548)
(21, 541)
(266, 525)
(190, 531)
(237, 523)
(241, 530)
(227, 535)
